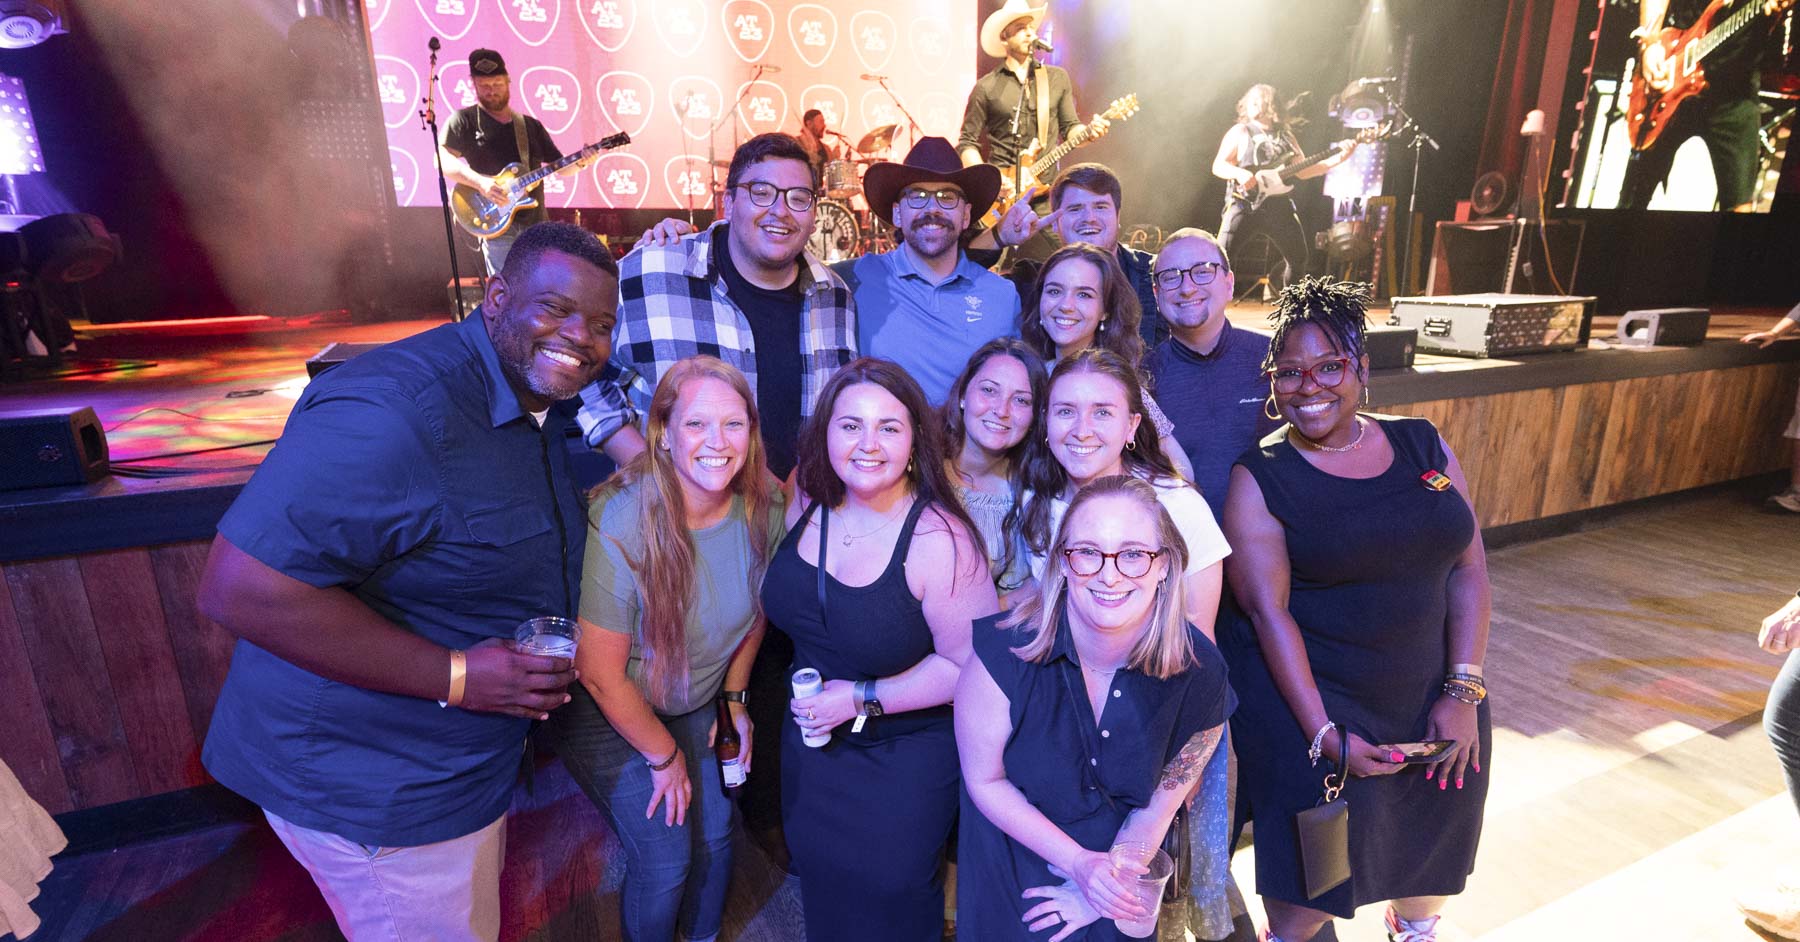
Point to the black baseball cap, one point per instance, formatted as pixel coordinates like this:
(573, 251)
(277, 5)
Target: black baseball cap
(484, 63)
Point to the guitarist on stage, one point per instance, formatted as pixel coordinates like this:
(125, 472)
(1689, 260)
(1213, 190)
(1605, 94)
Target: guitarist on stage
(1723, 114)
(480, 140)
(1005, 104)
(1261, 138)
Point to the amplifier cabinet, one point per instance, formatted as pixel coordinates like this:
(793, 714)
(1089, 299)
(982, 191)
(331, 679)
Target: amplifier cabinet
(45, 449)
(1390, 348)
(1495, 325)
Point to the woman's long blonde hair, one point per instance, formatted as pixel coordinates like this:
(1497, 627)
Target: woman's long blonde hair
(1162, 651)
(665, 570)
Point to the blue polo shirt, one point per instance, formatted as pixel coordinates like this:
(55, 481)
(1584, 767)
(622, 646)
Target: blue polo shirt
(411, 477)
(929, 327)
(1216, 401)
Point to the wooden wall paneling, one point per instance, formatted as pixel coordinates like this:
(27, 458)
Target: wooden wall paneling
(1633, 440)
(128, 611)
(28, 747)
(202, 648)
(1576, 448)
(66, 657)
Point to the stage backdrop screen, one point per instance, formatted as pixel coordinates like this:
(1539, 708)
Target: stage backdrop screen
(668, 72)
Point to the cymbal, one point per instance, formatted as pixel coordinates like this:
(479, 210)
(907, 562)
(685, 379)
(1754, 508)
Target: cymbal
(878, 139)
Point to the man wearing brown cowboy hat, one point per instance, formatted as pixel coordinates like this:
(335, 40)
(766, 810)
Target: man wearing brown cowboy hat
(480, 140)
(925, 305)
(1004, 104)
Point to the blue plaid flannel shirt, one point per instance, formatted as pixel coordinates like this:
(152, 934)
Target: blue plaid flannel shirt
(673, 305)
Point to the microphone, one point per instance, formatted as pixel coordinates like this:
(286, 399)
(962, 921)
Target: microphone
(434, 44)
(1384, 80)
(1042, 46)
(872, 77)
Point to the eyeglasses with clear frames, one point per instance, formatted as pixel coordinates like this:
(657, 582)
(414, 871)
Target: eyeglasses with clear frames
(798, 198)
(1131, 563)
(1327, 374)
(1203, 274)
(919, 199)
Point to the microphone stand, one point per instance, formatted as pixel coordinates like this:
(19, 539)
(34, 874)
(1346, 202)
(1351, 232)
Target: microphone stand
(912, 125)
(712, 133)
(1417, 144)
(428, 117)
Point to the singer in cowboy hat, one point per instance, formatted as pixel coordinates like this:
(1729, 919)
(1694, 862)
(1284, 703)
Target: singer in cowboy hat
(1004, 105)
(924, 304)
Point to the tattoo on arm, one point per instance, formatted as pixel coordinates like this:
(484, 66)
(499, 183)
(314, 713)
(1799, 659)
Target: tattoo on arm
(1185, 768)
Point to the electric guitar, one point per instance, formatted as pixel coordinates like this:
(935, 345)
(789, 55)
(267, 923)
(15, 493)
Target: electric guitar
(1276, 179)
(1030, 171)
(1651, 108)
(484, 217)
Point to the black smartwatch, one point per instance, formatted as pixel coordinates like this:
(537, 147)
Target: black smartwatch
(871, 706)
(735, 696)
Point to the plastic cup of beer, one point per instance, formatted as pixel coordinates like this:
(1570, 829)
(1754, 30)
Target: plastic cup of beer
(549, 636)
(1146, 887)
(806, 683)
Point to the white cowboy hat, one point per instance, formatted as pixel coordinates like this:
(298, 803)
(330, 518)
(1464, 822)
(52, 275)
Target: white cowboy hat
(1000, 19)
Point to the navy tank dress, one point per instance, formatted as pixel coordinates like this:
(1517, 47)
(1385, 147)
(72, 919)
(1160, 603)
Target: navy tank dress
(1370, 562)
(867, 814)
(1050, 757)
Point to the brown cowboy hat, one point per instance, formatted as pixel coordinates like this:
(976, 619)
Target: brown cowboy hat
(935, 161)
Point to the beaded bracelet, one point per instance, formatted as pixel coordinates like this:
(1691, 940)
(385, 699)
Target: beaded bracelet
(1463, 694)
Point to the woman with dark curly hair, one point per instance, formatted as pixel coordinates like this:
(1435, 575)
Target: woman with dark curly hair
(1363, 594)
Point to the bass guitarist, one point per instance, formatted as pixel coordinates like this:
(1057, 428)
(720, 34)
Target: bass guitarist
(1724, 114)
(480, 140)
(1262, 139)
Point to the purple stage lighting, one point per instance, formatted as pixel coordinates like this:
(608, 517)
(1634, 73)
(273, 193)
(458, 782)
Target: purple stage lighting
(19, 149)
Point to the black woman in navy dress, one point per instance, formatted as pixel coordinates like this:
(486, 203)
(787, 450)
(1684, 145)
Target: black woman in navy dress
(1362, 604)
(905, 573)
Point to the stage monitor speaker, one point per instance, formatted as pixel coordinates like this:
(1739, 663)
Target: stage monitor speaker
(335, 353)
(1390, 348)
(1505, 256)
(1664, 327)
(47, 449)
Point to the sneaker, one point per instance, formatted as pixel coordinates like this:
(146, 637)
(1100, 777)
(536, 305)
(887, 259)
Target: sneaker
(1788, 500)
(1774, 908)
(1403, 930)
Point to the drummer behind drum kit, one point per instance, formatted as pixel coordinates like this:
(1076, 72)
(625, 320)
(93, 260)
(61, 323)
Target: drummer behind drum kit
(844, 227)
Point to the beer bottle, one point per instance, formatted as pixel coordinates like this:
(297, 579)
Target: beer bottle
(727, 746)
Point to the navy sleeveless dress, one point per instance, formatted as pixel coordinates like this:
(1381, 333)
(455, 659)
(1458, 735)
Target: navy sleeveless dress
(1370, 561)
(867, 814)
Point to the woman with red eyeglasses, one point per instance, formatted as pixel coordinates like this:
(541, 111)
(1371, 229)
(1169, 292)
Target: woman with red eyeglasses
(1360, 623)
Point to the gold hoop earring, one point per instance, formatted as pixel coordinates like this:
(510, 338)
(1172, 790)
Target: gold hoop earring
(1131, 445)
(1269, 410)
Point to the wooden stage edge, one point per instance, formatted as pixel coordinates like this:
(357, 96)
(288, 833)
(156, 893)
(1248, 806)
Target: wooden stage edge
(108, 673)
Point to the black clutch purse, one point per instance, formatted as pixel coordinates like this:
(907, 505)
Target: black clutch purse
(1325, 832)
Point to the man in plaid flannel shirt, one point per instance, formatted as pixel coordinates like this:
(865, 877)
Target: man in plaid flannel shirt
(708, 294)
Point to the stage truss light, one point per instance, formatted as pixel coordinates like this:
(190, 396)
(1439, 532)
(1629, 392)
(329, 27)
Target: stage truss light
(20, 151)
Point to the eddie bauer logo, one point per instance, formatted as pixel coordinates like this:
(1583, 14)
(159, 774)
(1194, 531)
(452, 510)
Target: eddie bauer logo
(973, 314)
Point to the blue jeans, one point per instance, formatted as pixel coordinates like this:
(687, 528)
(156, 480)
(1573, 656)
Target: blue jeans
(675, 877)
(1781, 720)
(494, 251)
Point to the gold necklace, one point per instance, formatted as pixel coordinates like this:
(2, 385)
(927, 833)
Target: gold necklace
(1355, 443)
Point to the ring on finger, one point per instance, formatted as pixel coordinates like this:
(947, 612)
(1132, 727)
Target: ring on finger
(811, 715)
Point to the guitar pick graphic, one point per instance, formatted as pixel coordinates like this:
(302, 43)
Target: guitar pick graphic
(622, 179)
(878, 109)
(695, 102)
(397, 83)
(873, 35)
(533, 21)
(814, 32)
(608, 22)
(403, 168)
(831, 102)
(930, 45)
(763, 106)
(559, 190)
(375, 12)
(750, 27)
(626, 99)
(689, 179)
(456, 89)
(681, 24)
(550, 94)
(451, 20)
(940, 114)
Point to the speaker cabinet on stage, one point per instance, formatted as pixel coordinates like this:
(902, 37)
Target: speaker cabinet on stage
(1664, 327)
(46, 449)
(335, 353)
(1505, 256)
(1390, 348)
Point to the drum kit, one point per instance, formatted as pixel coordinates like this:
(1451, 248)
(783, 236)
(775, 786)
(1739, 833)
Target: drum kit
(844, 227)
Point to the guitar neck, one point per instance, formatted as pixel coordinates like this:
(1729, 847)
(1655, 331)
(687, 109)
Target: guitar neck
(1056, 154)
(1320, 157)
(1722, 33)
(529, 180)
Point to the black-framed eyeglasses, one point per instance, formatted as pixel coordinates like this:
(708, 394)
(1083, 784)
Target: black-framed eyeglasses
(1327, 374)
(1131, 563)
(798, 198)
(919, 199)
(1203, 274)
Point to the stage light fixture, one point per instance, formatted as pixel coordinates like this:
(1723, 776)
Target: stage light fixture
(19, 148)
(25, 23)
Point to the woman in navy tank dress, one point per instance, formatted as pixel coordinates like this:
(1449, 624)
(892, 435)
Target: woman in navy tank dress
(1361, 600)
(868, 814)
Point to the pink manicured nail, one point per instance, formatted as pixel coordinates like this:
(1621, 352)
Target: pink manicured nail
(1396, 756)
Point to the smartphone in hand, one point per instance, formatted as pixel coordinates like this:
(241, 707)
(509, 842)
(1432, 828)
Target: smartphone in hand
(1421, 753)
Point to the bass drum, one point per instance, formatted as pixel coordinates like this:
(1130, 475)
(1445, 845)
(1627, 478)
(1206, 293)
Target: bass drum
(835, 236)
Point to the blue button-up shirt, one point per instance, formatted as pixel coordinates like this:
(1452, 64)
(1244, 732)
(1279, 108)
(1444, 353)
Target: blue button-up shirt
(411, 477)
(929, 327)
